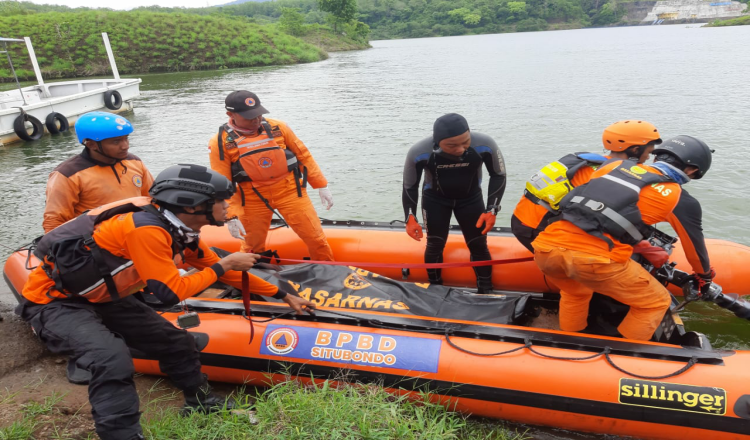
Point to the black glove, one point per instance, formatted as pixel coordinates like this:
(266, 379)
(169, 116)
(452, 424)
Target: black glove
(703, 280)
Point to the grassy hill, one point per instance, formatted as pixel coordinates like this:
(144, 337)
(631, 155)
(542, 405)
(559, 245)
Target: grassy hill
(68, 42)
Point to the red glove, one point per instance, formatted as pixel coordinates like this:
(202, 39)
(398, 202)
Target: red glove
(703, 280)
(654, 254)
(488, 219)
(413, 228)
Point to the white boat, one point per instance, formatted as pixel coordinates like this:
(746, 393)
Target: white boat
(27, 113)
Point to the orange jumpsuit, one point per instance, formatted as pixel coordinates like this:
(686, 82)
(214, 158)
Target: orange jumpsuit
(580, 263)
(98, 335)
(81, 183)
(150, 248)
(298, 212)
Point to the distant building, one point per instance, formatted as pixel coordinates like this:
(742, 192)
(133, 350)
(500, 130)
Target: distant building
(694, 10)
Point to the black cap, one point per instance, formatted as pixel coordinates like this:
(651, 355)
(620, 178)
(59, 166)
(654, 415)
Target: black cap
(448, 126)
(245, 104)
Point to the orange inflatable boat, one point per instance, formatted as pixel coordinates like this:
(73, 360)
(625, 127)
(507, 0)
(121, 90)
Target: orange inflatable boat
(487, 355)
(359, 241)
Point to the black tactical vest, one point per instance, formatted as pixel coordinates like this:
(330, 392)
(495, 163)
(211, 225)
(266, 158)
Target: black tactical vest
(609, 204)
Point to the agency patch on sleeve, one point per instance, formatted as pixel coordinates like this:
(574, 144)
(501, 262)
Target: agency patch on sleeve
(678, 397)
(360, 348)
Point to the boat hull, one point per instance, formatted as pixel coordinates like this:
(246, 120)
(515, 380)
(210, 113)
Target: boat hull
(521, 386)
(70, 98)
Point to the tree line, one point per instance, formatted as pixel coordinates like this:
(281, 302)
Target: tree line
(386, 19)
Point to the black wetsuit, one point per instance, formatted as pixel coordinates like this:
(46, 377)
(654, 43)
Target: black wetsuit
(452, 185)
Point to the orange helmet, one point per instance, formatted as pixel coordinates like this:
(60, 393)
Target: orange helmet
(625, 134)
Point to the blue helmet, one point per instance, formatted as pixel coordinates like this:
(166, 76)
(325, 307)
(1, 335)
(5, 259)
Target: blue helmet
(98, 126)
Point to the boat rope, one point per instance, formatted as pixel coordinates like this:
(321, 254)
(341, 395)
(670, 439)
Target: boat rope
(563, 358)
(606, 352)
(527, 344)
(246, 302)
(693, 360)
(410, 265)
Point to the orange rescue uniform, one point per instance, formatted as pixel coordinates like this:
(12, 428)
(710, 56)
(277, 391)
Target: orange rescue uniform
(281, 194)
(580, 263)
(150, 249)
(82, 183)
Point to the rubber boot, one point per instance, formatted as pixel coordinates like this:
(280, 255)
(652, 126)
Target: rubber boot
(201, 399)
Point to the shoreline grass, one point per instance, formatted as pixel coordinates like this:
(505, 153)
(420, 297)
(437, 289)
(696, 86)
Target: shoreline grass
(289, 410)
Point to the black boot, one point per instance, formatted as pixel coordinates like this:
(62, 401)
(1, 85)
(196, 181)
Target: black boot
(484, 286)
(201, 399)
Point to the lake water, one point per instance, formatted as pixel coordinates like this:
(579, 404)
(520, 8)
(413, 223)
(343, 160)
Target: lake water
(540, 95)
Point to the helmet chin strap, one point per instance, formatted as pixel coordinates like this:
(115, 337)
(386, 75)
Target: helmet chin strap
(100, 150)
(209, 213)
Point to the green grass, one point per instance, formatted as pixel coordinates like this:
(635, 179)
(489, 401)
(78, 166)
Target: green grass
(291, 410)
(35, 409)
(24, 429)
(739, 21)
(19, 430)
(286, 411)
(68, 44)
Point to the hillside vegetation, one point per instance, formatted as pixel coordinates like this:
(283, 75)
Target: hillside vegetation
(739, 21)
(68, 41)
(388, 19)
(428, 18)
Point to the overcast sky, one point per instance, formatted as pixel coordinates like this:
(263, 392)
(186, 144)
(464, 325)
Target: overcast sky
(130, 4)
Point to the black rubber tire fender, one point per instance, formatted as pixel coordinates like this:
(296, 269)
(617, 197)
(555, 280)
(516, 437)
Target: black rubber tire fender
(19, 126)
(52, 120)
(109, 102)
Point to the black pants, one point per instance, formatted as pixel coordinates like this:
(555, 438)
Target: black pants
(437, 211)
(98, 336)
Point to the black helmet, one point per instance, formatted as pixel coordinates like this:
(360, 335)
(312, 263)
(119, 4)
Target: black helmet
(190, 185)
(688, 151)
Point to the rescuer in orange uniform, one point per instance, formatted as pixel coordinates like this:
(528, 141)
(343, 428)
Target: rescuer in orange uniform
(605, 221)
(76, 310)
(103, 173)
(628, 139)
(271, 167)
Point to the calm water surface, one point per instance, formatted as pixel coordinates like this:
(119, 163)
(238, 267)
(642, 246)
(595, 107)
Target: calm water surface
(540, 95)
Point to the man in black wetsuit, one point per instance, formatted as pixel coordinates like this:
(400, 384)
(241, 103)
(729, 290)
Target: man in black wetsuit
(452, 160)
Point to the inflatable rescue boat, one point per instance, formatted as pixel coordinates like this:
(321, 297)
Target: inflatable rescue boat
(383, 242)
(496, 356)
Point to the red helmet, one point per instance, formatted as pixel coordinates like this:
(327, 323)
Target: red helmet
(629, 133)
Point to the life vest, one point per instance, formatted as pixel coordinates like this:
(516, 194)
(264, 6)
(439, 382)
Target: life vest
(261, 160)
(609, 204)
(548, 186)
(80, 268)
